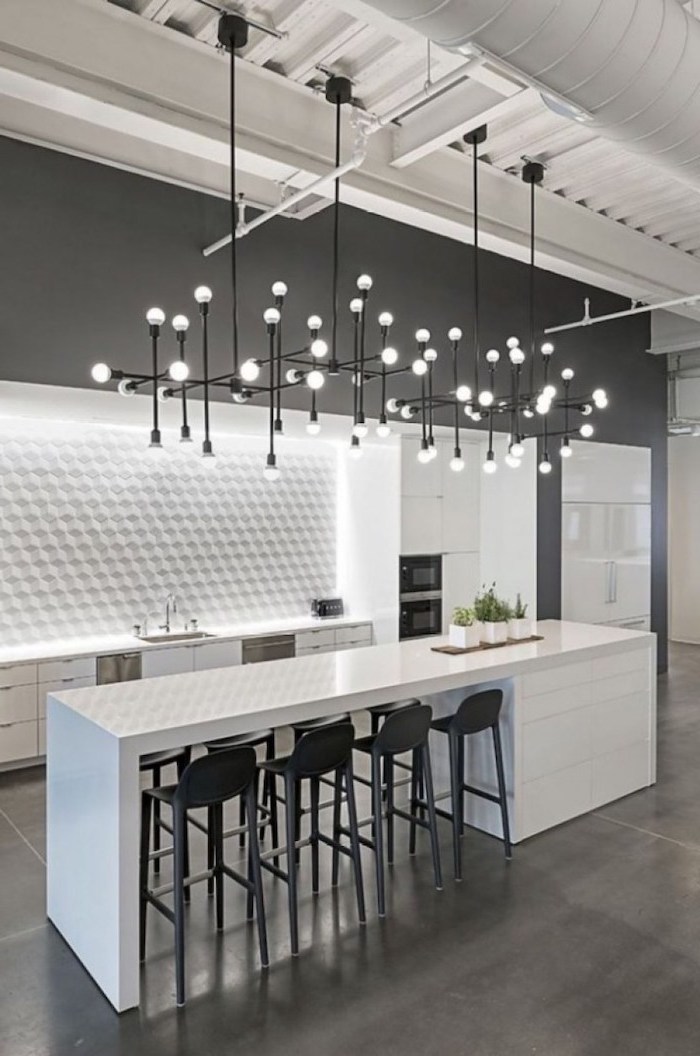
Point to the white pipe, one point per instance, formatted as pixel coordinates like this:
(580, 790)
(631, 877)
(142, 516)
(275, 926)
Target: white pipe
(590, 320)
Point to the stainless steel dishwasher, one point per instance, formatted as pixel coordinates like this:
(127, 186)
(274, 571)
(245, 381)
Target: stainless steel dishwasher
(268, 647)
(120, 667)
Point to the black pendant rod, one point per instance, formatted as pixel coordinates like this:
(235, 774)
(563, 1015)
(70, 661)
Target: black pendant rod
(155, 432)
(336, 241)
(204, 312)
(532, 286)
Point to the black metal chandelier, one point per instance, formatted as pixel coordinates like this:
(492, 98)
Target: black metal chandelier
(373, 362)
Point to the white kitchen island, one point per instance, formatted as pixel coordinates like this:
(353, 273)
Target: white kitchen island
(579, 730)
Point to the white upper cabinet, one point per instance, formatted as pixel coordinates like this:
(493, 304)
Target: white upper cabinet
(421, 525)
(607, 473)
(439, 508)
(419, 480)
(460, 500)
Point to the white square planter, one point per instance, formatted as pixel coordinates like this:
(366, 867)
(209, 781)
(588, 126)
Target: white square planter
(518, 629)
(465, 637)
(494, 633)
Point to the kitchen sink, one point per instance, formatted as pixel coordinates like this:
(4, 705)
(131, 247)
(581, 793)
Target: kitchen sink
(183, 636)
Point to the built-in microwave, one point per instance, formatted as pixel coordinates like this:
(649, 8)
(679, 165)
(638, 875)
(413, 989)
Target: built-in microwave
(420, 617)
(420, 573)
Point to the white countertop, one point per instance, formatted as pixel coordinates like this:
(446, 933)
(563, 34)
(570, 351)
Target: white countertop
(104, 644)
(358, 678)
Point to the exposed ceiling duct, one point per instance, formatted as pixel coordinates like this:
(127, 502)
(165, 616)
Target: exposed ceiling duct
(629, 68)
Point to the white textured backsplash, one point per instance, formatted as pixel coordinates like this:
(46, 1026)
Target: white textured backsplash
(96, 529)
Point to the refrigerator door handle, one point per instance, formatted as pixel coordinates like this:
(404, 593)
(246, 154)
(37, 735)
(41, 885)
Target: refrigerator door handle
(609, 582)
(614, 581)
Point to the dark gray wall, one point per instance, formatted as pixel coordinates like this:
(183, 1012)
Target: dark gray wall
(87, 249)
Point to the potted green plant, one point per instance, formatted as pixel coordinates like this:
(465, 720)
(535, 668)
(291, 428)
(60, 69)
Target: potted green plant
(519, 625)
(493, 614)
(465, 632)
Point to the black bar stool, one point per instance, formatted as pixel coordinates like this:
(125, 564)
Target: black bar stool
(475, 714)
(404, 730)
(299, 729)
(208, 782)
(380, 711)
(154, 762)
(320, 751)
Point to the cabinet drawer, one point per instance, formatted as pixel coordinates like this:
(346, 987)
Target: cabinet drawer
(58, 670)
(175, 661)
(58, 687)
(42, 736)
(17, 704)
(314, 650)
(306, 639)
(18, 741)
(217, 654)
(361, 634)
(17, 675)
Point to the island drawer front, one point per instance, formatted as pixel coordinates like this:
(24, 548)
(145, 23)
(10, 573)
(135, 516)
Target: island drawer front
(360, 634)
(17, 675)
(557, 678)
(617, 686)
(59, 687)
(556, 743)
(622, 663)
(617, 724)
(306, 639)
(18, 741)
(620, 773)
(17, 704)
(58, 670)
(555, 798)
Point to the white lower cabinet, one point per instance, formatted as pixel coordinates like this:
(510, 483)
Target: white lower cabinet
(18, 715)
(177, 660)
(58, 687)
(217, 654)
(18, 740)
(330, 639)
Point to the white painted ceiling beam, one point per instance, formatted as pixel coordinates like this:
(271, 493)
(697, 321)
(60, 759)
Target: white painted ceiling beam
(162, 89)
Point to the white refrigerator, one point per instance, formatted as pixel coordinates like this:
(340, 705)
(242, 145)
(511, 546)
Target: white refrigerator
(606, 535)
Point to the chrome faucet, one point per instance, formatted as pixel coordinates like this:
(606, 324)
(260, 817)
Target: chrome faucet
(170, 608)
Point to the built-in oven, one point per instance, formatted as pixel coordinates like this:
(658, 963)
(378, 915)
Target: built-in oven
(418, 574)
(420, 596)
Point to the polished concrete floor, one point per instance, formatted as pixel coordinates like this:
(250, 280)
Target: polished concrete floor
(587, 944)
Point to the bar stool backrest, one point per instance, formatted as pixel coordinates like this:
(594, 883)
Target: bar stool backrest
(320, 751)
(478, 712)
(215, 778)
(404, 730)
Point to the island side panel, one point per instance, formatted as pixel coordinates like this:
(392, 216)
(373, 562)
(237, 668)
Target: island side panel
(92, 850)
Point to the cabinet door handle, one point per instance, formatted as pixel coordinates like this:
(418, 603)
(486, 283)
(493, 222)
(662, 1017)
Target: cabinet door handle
(614, 581)
(608, 584)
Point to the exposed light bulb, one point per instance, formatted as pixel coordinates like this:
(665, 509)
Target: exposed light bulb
(163, 394)
(180, 323)
(493, 355)
(392, 405)
(389, 356)
(512, 461)
(516, 356)
(239, 397)
(314, 322)
(202, 295)
(364, 282)
(272, 316)
(545, 466)
(101, 373)
(250, 370)
(178, 370)
(457, 464)
(512, 342)
(549, 391)
(383, 430)
(490, 465)
(315, 379)
(586, 430)
(126, 388)
(432, 451)
(279, 288)
(355, 449)
(567, 374)
(463, 393)
(385, 320)
(422, 336)
(319, 348)
(360, 429)
(586, 409)
(430, 355)
(313, 427)
(565, 450)
(155, 316)
(356, 305)
(543, 405)
(406, 412)
(486, 398)
(517, 450)
(528, 412)
(547, 348)
(293, 376)
(419, 366)
(474, 413)
(600, 398)
(454, 334)
(271, 473)
(424, 456)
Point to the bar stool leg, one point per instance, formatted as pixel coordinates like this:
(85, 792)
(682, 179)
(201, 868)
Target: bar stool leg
(456, 783)
(156, 821)
(378, 831)
(503, 798)
(315, 790)
(291, 788)
(218, 818)
(179, 826)
(297, 819)
(210, 850)
(241, 823)
(355, 841)
(389, 797)
(146, 802)
(256, 872)
(415, 765)
(186, 857)
(337, 801)
(461, 779)
(427, 774)
(267, 800)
